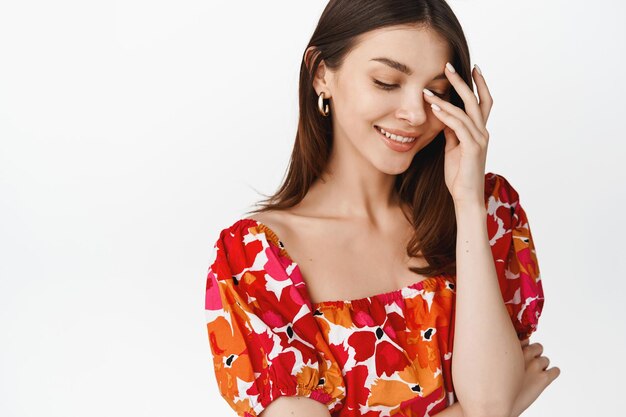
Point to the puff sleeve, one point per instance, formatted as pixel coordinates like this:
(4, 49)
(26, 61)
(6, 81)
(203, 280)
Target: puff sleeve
(263, 336)
(514, 255)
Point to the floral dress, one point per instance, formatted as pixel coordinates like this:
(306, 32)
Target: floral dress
(388, 354)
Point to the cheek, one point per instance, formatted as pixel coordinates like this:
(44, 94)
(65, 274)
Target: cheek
(435, 122)
(362, 101)
(432, 126)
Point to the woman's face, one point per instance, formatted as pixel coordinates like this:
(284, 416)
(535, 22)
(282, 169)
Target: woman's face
(407, 60)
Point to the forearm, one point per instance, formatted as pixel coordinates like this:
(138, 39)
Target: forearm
(453, 410)
(487, 359)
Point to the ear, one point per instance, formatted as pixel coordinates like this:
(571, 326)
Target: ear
(321, 74)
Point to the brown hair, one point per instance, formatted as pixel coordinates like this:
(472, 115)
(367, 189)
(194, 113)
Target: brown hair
(421, 187)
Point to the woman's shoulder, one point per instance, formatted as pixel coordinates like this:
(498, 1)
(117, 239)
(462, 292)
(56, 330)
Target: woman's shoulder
(498, 187)
(514, 254)
(275, 220)
(236, 245)
(249, 243)
(240, 229)
(282, 226)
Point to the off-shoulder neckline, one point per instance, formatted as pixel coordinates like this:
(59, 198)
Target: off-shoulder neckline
(431, 283)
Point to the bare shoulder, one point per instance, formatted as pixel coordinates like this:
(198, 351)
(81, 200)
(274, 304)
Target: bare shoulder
(280, 222)
(295, 405)
(301, 234)
(267, 216)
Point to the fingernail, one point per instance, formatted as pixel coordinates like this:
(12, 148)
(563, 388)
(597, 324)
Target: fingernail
(428, 92)
(478, 69)
(435, 107)
(450, 67)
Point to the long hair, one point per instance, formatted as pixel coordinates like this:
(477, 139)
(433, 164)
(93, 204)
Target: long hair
(422, 186)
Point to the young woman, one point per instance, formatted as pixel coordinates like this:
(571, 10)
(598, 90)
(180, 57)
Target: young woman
(386, 245)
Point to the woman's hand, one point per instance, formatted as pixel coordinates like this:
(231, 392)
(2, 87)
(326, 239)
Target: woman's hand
(466, 136)
(536, 378)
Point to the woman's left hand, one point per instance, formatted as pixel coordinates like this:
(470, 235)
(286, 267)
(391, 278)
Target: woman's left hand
(466, 137)
(537, 376)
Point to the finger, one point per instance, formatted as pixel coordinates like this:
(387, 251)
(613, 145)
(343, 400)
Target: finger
(486, 101)
(529, 353)
(545, 361)
(525, 342)
(532, 351)
(539, 363)
(460, 129)
(467, 95)
(537, 348)
(553, 373)
(475, 133)
(452, 140)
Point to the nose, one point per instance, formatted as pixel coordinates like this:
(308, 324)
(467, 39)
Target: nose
(413, 109)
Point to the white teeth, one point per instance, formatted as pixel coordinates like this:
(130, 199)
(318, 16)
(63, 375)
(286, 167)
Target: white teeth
(397, 138)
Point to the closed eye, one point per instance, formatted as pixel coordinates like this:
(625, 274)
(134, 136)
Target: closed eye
(385, 86)
(389, 87)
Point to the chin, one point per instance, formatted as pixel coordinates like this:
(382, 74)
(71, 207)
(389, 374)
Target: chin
(394, 168)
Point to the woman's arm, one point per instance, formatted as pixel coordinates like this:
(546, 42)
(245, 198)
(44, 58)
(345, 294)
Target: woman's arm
(487, 359)
(453, 410)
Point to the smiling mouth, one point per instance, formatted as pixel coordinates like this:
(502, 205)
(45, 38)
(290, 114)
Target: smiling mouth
(395, 138)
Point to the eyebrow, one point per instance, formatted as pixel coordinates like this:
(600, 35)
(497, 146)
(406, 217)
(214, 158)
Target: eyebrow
(402, 67)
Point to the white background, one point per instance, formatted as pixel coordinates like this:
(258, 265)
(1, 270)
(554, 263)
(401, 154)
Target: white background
(132, 132)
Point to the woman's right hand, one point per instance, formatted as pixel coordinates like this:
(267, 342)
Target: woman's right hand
(536, 378)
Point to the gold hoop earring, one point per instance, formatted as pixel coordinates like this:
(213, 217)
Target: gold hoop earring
(323, 109)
